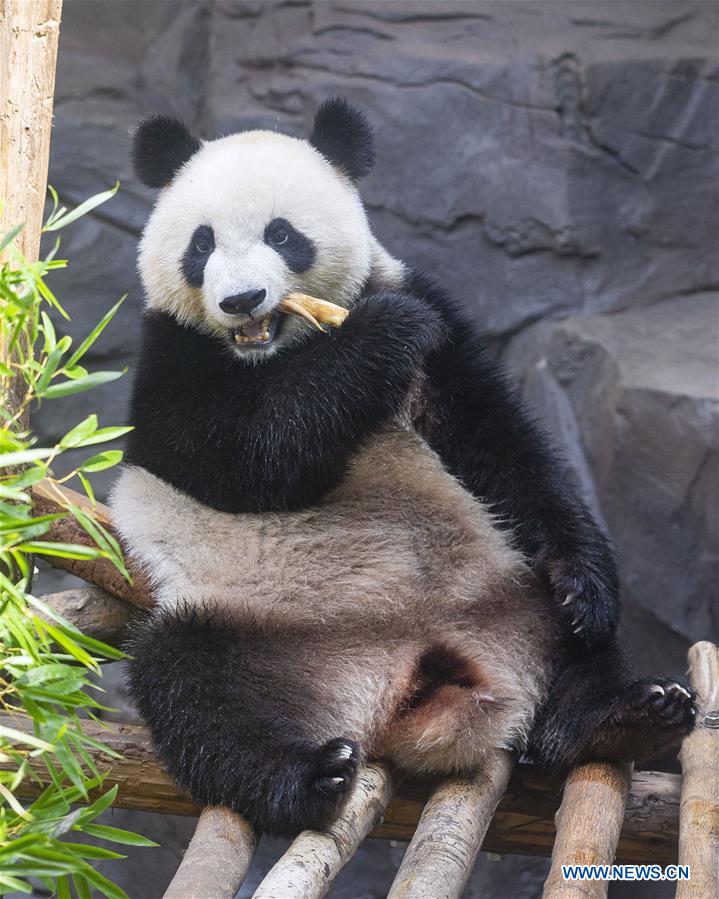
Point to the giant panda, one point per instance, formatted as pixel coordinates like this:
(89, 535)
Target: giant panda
(359, 544)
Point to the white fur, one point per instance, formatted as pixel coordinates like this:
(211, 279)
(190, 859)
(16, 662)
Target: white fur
(238, 185)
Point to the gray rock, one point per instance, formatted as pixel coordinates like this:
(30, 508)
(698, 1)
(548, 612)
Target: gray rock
(634, 396)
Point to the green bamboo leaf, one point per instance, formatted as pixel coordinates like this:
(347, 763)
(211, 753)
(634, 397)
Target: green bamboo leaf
(61, 550)
(79, 433)
(61, 221)
(106, 887)
(98, 647)
(103, 435)
(51, 365)
(78, 385)
(10, 236)
(87, 486)
(83, 850)
(116, 835)
(101, 461)
(98, 806)
(48, 332)
(95, 333)
(14, 883)
(59, 636)
(18, 736)
(82, 888)
(21, 457)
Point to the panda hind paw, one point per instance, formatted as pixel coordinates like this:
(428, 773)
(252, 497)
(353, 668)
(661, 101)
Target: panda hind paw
(336, 766)
(663, 702)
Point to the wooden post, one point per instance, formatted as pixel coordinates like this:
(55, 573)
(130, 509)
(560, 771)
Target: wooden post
(29, 32)
(699, 809)
(442, 853)
(589, 822)
(217, 859)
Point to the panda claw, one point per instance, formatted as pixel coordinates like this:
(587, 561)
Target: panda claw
(570, 597)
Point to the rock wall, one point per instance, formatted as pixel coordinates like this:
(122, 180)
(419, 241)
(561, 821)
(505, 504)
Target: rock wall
(554, 164)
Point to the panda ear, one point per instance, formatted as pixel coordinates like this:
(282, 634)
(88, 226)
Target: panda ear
(160, 146)
(343, 136)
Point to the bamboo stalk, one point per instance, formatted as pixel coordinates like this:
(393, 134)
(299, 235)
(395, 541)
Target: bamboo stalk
(523, 822)
(317, 312)
(217, 859)
(589, 822)
(449, 835)
(699, 756)
(315, 858)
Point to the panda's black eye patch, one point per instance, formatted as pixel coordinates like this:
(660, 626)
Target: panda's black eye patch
(295, 248)
(198, 251)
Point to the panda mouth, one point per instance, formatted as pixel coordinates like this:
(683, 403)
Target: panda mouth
(256, 333)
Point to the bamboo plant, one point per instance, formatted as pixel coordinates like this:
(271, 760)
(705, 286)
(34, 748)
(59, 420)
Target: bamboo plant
(49, 669)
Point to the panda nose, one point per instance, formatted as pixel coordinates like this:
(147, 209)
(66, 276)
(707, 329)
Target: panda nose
(243, 302)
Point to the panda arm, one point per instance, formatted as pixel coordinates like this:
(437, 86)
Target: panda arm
(276, 435)
(483, 435)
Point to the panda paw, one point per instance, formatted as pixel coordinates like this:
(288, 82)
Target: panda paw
(396, 320)
(587, 593)
(335, 767)
(667, 703)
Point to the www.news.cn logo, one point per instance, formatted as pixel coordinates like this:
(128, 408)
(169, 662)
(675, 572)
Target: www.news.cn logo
(625, 872)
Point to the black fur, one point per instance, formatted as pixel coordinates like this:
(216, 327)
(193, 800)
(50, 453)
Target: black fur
(228, 433)
(597, 710)
(295, 248)
(343, 136)
(478, 427)
(160, 147)
(215, 698)
(198, 251)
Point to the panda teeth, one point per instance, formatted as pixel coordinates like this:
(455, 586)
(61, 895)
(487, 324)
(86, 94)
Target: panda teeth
(263, 337)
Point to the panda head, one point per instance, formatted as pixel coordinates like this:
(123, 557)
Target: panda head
(243, 220)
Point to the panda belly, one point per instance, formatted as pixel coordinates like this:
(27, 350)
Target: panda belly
(401, 614)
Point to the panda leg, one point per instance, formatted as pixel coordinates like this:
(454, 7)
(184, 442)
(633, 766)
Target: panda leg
(224, 705)
(596, 710)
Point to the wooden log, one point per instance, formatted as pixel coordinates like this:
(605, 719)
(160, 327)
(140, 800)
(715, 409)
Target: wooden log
(589, 822)
(314, 859)
(94, 612)
(699, 756)
(442, 853)
(29, 32)
(523, 823)
(49, 498)
(217, 859)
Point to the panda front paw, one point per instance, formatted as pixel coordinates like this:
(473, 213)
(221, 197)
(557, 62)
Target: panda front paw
(587, 593)
(397, 321)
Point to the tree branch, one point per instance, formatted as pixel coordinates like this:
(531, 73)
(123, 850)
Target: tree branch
(217, 859)
(94, 612)
(458, 811)
(314, 859)
(49, 499)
